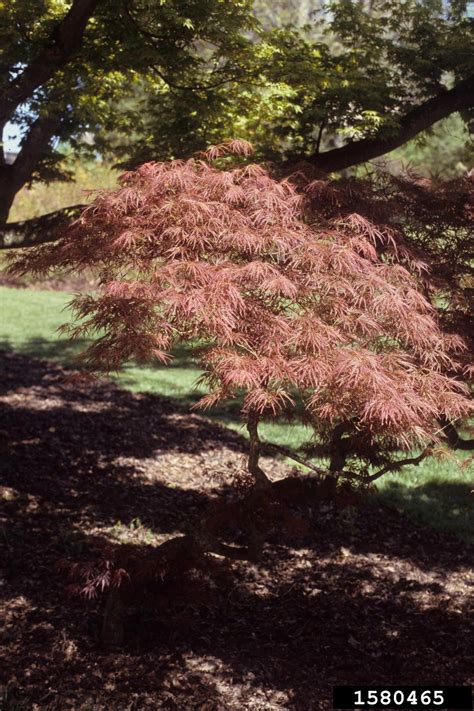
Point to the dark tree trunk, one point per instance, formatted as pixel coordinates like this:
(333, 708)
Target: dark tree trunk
(7, 193)
(54, 54)
(338, 456)
(15, 176)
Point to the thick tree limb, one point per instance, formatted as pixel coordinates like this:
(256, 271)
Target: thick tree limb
(39, 230)
(64, 42)
(459, 98)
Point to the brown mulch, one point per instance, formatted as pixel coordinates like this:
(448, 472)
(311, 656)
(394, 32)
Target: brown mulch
(365, 597)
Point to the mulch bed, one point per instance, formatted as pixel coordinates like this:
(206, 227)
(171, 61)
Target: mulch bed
(365, 596)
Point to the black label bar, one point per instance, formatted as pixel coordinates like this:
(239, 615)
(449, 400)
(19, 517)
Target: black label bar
(417, 698)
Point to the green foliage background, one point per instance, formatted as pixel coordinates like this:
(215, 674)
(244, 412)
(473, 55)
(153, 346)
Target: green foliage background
(157, 80)
(445, 152)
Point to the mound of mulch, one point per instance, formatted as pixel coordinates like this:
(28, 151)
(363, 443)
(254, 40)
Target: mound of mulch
(365, 596)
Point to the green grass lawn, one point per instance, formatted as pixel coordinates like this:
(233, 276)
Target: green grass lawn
(435, 493)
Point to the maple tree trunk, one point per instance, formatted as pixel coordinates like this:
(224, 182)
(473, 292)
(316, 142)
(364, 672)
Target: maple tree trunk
(252, 515)
(338, 457)
(261, 479)
(113, 624)
(7, 193)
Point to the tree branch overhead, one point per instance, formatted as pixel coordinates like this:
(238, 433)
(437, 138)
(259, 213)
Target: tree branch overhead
(64, 42)
(459, 98)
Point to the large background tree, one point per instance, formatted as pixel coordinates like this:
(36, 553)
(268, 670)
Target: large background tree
(335, 83)
(370, 76)
(64, 65)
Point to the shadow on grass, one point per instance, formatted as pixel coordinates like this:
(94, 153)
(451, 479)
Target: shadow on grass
(180, 386)
(176, 382)
(60, 350)
(444, 505)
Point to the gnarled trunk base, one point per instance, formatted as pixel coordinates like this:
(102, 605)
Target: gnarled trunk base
(256, 514)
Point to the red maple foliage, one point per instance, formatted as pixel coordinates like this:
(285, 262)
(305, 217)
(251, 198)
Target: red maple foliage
(294, 302)
(431, 219)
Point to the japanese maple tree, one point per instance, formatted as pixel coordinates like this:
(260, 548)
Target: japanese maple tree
(298, 312)
(293, 304)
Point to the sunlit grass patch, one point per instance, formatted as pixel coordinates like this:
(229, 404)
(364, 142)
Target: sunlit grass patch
(133, 532)
(436, 493)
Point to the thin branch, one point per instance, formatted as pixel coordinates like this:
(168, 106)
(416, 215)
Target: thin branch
(320, 135)
(455, 441)
(195, 87)
(395, 466)
(317, 470)
(226, 551)
(392, 466)
(261, 479)
(145, 33)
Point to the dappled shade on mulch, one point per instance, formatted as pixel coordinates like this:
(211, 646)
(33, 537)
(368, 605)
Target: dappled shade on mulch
(364, 596)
